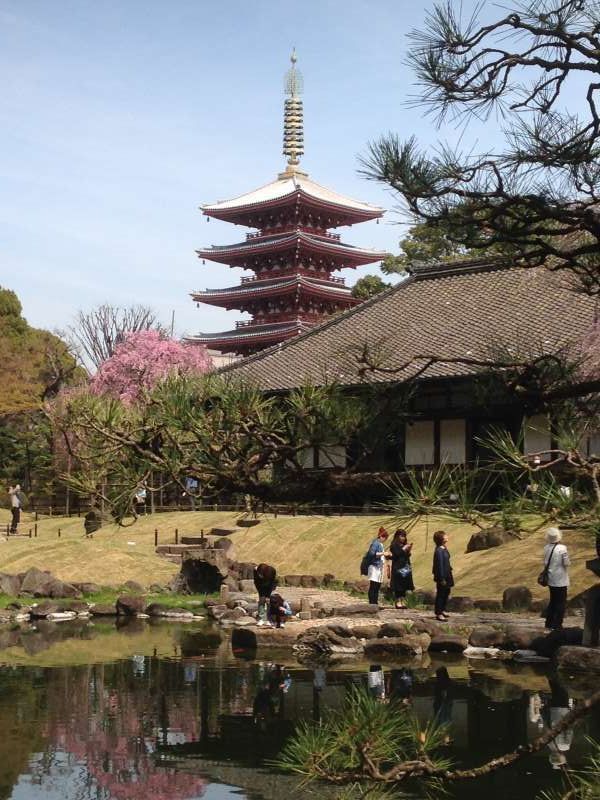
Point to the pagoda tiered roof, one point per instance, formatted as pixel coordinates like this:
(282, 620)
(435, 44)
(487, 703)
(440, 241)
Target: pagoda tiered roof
(295, 189)
(251, 335)
(301, 242)
(302, 284)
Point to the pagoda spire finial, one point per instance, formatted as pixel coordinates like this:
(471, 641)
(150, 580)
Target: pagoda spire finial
(293, 124)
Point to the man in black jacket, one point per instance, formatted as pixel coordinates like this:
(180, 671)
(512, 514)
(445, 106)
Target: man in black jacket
(265, 580)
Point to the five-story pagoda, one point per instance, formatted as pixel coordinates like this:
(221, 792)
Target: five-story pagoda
(292, 252)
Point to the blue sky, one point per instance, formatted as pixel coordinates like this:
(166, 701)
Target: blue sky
(120, 117)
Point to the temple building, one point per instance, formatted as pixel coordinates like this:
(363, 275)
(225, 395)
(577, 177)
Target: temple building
(291, 249)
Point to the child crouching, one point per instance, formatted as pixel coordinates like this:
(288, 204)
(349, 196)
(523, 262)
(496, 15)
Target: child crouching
(279, 609)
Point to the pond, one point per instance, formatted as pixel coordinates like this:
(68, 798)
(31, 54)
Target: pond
(92, 711)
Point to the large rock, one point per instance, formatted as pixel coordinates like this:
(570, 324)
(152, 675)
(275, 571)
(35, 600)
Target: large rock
(460, 604)
(87, 587)
(130, 605)
(448, 643)
(10, 584)
(204, 573)
(233, 614)
(549, 644)
(247, 586)
(354, 610)
(424, 597)
(41, 610)
(361, 586)
(490, 537)
(426, 626)
(58, 589)
(162, 610)
(407, 645)
(133, 587)
(365, 631)
(103, 610)
(578, 659)
(520, 637)
(36, 583)
(486, 636)
(516, 598)
(292, 580)
(326, 643)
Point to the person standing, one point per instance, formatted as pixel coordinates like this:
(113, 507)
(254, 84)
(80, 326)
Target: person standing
(556, 564)
(442, 574)
(265, 580)
(401, 579)
(14, 493)
(376, 559)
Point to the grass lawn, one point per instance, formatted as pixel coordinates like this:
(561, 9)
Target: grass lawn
(294, 545)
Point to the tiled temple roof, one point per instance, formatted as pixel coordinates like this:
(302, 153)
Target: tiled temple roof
(460, 310)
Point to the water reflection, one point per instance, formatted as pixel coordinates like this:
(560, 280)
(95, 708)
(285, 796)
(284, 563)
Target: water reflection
(179, 716)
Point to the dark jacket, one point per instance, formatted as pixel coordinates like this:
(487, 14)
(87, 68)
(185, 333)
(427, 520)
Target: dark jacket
(442, 571)
(265, 579)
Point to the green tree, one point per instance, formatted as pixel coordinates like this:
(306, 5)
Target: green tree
(538, 192)
(368, 286)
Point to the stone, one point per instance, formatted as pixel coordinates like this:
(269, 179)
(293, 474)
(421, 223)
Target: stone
(407, 645)
(88, 587)
(233, 613)
(578, 659)
(448, 643)
(520, 637)
(490, 537)
(61, 616)
(130, 605)
(487, 605)
(162, 610)
(311, 581)
(549, 644)
(365, 631)
(324, 642)
(155, 588)
(247, 586)
(356, 609)
(305, 614)
(204, 573)
(486, 636)
(80, 607)
(10, 584)
(341, 630)
(424, 597)
(35, 582)
(328, 579)
(103, 610)
(516, 598)
(133, 587)
(538, 606)
(41, 610)
(59, 589)
(460, 604)
(292, 580)
(426, 626)
(216, 611)
(393, 630)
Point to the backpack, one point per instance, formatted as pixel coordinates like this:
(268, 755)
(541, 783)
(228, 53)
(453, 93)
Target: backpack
(21, 498)
(368, 559)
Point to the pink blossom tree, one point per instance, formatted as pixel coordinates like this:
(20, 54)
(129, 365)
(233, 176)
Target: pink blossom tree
(142, 360)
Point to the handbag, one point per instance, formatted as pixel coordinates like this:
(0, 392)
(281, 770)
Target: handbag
(404, 571)
(543, 576)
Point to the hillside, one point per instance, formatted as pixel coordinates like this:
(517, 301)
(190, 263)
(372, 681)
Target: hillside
(295, 545)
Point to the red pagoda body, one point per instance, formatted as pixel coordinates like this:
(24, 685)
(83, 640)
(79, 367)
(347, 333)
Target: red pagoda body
(291, 250)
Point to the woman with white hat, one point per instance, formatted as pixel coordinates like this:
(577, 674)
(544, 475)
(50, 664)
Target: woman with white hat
(556, 563)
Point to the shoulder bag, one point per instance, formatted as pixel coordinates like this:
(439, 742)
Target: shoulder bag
(543, 576)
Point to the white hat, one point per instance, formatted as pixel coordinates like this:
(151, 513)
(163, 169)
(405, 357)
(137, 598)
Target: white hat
(553, 535)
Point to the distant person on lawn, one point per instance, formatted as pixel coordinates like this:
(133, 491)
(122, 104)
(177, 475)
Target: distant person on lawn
(400, 571)
(376, 563)
(16, 503)
(442, 575)
(556, 564)
(265, 580)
